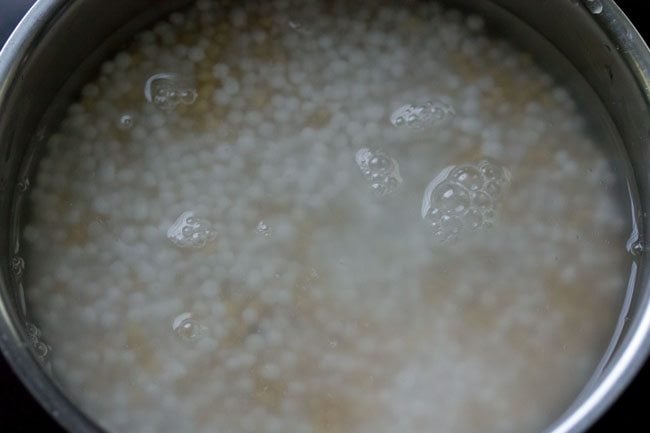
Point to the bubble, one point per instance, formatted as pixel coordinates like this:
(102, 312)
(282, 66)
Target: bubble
(167, 90)
(431, 113)
(263, 229)
(188, 96)
(493, 171)
(593, 6)
(381, 164)
(297, 27)
(494, 189)
(429, 207)
(489, 215)
(32, 330)
(23, 186)
(474, 219)
(187, 328)
(40, 348)
(451, 198)
(497, 177)
(189, 231)
(439, 111)
(299, 24)
(17, 267)
(464, 198)
(380, 170)
(482, 201)
(451, 224)
(363, 157)
(433, 215)
(126, 122)
(468, 176)
(448, 228)
(378, 189)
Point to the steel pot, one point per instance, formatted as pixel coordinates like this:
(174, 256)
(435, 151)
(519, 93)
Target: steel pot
(58, 37)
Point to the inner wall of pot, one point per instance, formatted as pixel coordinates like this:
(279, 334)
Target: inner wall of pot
(565, 38)
(74, 46)
(612, 60)
(56, 51)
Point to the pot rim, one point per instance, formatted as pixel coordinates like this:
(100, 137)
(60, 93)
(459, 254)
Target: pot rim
(583, 413)
(22, 41)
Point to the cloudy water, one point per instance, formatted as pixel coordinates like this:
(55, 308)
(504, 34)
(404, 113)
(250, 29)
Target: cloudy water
(313, 217)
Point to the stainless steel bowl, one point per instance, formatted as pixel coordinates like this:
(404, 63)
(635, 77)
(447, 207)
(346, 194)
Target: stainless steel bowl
(59, 37)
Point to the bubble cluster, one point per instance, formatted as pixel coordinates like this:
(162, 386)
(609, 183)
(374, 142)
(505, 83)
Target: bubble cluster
(464, 198)
(429, 114)
(380, 170)
(187, 328)
(190, 231)
(17, 267)
(40, 348)
(263, 229)
(167, 90)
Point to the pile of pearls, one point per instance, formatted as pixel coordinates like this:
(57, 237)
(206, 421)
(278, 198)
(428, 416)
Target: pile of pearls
(228, 230)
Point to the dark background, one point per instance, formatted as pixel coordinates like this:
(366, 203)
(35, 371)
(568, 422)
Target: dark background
(20, 413)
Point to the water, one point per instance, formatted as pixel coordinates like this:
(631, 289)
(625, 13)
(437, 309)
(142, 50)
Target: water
(286, 217)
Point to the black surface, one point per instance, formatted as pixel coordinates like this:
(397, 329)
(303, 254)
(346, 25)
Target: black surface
(20, 413)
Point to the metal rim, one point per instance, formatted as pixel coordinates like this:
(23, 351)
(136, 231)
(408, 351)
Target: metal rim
(623, 368)
(20, 43)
